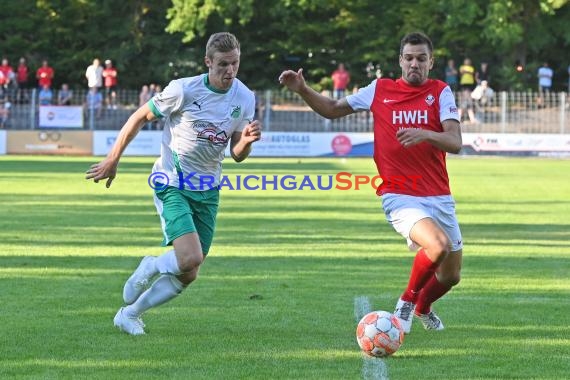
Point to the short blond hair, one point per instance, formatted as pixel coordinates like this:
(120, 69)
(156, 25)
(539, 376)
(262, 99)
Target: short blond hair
(221, 42)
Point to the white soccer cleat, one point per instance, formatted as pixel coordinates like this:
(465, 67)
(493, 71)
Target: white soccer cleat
(431, 321)
(405, 313)
(130, 325)
(139, 280)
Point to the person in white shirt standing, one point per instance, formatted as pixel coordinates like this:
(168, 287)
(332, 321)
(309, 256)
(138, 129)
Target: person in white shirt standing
(545, 75)
(94, 75)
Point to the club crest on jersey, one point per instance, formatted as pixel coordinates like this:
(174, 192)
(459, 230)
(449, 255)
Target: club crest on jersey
(236, 112)
(430, 99)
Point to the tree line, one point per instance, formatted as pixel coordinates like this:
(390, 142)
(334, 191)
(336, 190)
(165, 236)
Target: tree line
(159, 40)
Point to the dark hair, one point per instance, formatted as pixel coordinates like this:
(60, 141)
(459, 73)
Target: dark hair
(221, 42)
(416, 38)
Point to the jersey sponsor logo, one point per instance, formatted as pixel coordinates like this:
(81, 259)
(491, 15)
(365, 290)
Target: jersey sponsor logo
(410, 117)
(430, 99)
(208, 132)
(236, 112)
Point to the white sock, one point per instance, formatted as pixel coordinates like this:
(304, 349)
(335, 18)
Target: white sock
(164, 289)
(167, 263)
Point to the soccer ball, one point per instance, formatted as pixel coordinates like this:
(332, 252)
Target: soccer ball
(379, 334)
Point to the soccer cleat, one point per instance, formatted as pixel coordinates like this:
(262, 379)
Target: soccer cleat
(431, 321)
(139, 280)
(130, 325)
(405, 313)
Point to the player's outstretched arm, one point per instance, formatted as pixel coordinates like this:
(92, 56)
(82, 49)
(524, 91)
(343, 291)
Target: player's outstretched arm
(323, 105)
(240, 146)
(107, 169)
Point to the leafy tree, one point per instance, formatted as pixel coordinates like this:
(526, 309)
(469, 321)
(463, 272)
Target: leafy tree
(279, 34)
(71, 33)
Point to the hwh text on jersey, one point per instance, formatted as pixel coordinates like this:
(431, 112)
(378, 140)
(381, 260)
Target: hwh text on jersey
(410, 117)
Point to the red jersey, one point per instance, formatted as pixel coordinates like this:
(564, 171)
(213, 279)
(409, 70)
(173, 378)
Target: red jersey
(22, 74)
(419, 170)
(44, 75)
(110, 75)
(6, 71)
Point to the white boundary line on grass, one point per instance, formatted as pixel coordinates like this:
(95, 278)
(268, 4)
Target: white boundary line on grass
(372, 368)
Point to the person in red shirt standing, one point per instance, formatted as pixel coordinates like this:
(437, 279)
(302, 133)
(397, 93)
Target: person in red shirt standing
(45, 74)
(22, 73)
(416, 123)
(341, 79)
(6, 78)
(110, 82)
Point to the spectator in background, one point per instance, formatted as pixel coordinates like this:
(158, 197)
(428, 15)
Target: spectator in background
(45, 96)
(45, 75)
(144, 95)
(152, 89)
(64, 95)
(467, 85)
(545, 75)
(451, 75)
(2, 80)
(94, 102)
(341, 79)
(157, 124)
(94, 75)
(481, 96)
(22, 73)
(110, 79)
(483, 73)
(467, 75)
(7, 78)
(4, 112)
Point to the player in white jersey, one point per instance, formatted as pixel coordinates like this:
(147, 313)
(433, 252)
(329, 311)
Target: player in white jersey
(202, 114)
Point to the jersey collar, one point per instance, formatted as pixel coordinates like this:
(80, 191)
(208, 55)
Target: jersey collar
(212, 88)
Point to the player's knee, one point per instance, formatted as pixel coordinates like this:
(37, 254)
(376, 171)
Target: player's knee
(439, 248)
(190, 262)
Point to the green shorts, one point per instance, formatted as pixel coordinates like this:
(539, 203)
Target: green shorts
(185, 211)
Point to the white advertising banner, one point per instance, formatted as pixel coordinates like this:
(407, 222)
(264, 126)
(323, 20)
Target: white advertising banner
(2, 142)
(146, 143)
(515, 142)
(61, 117)
(298, 144)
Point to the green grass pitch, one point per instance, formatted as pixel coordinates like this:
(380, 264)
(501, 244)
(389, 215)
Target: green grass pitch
(275, 298)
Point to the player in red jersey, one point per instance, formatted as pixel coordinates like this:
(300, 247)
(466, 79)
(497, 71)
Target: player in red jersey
(415, 124)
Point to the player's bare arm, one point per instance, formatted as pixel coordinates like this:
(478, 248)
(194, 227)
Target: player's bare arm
(323, 105)
(107, 169)
(449, 140)
(240, 146)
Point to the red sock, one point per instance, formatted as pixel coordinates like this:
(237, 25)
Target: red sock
(422, 270)
(430, 293)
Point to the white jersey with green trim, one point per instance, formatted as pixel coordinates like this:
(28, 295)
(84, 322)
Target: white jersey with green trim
(199, 122)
